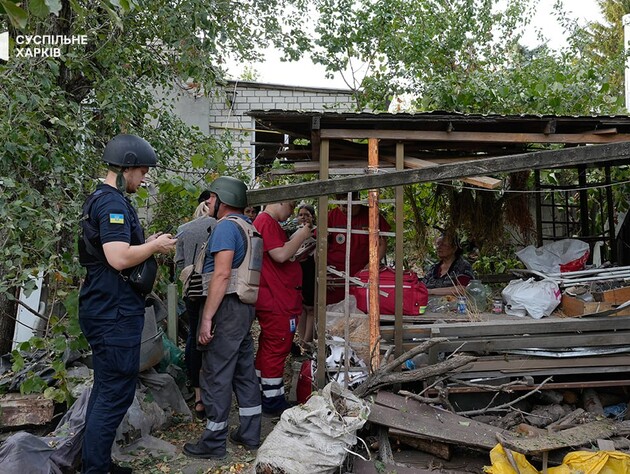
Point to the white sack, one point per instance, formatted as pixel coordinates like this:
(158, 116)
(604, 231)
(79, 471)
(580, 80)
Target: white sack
(314, 438)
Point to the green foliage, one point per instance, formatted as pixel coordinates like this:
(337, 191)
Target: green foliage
(467, 56)
(496, 262)
(58, 113)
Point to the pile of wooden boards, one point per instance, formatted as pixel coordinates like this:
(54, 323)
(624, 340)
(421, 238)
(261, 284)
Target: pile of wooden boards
(508, 346)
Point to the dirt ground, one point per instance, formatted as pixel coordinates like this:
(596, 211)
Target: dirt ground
(238, 459)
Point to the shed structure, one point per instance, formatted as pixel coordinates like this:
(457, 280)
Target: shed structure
(365, 151)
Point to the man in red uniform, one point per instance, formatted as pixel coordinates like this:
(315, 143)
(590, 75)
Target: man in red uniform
(359, 243)
(279, 302)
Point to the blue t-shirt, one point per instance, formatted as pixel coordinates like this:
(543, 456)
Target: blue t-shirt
(105, 292)
(226, 236)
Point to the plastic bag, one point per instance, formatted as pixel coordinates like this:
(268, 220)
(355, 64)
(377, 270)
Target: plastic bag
(535, 298)
(566, 255)
(600, 462)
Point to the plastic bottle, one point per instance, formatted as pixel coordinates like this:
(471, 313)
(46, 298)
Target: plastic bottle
(478, 295)
(416, 362)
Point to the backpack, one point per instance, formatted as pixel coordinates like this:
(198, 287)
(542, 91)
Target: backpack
(415, 294)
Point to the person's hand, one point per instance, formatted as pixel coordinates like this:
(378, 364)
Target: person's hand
(153, 236)
(165, 243)
(306, 231)
(205, 331)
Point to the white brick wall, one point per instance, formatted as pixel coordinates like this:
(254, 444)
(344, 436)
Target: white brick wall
(213, 114)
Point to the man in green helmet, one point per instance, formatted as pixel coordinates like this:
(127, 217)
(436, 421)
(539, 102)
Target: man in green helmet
(232, 268)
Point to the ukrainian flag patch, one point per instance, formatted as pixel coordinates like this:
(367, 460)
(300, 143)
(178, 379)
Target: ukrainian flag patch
(116, 218)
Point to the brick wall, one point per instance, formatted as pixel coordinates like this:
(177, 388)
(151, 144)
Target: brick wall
(222, 112)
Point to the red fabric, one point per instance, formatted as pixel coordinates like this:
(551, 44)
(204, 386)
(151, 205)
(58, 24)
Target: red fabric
(359, 244)
(304, 388)
(274, 342)
(575, 265)
(415, 294)
(463, 280)
(280, 283)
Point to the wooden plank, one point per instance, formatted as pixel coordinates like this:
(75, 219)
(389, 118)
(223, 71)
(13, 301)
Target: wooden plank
(481, 181)
(523, 365)
(22, 410)
(550, 341)
(313, 166)
(441, 450)
(506, 328)
(431, 423)
(617, 295)
(504, 164)
(477, 137)
(569, 438)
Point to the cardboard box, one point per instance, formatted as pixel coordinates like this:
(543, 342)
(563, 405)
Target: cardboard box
(572, 306)
(617, 296)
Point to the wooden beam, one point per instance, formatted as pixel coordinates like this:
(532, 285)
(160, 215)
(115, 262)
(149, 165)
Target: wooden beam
(481, 181)
(22, 410)
(431, 423)
(478, 137)
(570, 438)
(373, 262)
(506, 328)
(542, 341)
(441, 450)
(503, 164)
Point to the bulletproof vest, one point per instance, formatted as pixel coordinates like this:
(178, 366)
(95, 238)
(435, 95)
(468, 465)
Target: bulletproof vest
(90, 246)
(245, 279)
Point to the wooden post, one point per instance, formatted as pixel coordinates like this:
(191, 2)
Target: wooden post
(374, 306)
(171, 300)
(320, 268)
(400, 225)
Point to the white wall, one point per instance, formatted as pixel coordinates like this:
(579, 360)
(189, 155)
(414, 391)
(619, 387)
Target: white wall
(223, 110)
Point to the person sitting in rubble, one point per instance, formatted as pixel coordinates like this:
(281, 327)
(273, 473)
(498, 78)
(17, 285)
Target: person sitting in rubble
(453, 272)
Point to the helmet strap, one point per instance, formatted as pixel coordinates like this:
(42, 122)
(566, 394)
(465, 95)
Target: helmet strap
(121, 182)
(217, 204)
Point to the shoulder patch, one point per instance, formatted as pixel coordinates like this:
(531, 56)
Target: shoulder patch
(116, 218)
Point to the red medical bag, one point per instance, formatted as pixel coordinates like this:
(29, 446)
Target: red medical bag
(415, 295)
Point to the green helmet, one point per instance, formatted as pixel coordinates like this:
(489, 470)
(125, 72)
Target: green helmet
(128, 151)
(231, 191)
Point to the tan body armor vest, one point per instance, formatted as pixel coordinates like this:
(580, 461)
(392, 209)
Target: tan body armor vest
(244, 280)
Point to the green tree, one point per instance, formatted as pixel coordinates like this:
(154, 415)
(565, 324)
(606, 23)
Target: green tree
(58, 112)
(462, 55)
(468, 56)
(604, 42)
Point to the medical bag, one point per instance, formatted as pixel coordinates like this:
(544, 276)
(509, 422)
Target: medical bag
(415, 295)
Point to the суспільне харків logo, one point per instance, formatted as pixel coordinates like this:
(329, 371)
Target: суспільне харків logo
(4, 46)
(38, 46)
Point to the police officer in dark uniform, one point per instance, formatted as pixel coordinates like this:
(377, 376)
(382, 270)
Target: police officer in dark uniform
(111, 311)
